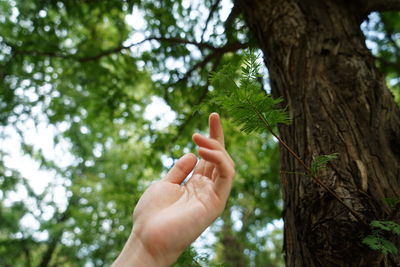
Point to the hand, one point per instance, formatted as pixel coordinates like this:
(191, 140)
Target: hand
(170, 215)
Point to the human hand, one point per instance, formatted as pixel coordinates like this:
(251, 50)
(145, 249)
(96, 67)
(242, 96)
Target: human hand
(170, 215)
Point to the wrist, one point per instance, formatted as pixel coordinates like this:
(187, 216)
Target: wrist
(135, 254)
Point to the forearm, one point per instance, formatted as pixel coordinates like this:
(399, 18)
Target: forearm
(134, 254)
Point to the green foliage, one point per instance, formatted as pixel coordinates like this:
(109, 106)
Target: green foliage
(248, 105)
(319, 162)
(91, 82)
(377, 240)
(389, 226)
(382, 32)
(190, 256)
(392, 202)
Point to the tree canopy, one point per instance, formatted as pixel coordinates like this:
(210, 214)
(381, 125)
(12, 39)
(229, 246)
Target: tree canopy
(122, 85)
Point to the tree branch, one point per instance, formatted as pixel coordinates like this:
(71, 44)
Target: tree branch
(54, 240)
(228, 24)
(18, 50)
(381, 60)
(210, 15)
(203, 95)
(51, 247)
(382, 5)
(230, 47)
(217, 55)
(389, 35)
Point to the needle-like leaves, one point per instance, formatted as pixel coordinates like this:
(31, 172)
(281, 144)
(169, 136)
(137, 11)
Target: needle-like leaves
(249, 106)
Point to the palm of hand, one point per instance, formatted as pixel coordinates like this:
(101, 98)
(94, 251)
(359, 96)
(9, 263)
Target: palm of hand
(171, 215)
(175, 214)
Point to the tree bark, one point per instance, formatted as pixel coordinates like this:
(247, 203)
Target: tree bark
(339, 102)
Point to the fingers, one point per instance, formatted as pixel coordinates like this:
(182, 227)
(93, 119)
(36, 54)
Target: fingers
(200, 166)
(216, 131)
(209, 169)
(181, 169)
(205, 168)
(217, 164)
(210, 143)
(223, 182)
(219, 159)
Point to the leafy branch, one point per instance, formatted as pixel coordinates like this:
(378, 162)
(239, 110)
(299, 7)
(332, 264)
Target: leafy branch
(19, 50)
(256, 111)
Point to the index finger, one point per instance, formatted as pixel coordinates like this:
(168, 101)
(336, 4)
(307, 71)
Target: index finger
(216, 131)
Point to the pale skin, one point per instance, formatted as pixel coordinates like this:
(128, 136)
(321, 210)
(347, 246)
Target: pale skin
(170, 215)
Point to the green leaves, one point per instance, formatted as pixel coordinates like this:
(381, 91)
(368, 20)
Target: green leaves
(249, 106)
(86, 80)
(381, 31)
(389, 226)
(377, 240)
(392, 202)
(321, 161)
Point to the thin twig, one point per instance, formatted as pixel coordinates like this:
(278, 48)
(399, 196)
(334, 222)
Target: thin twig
(199, 101)
(229, 22)
(217, 53)
(210, 15)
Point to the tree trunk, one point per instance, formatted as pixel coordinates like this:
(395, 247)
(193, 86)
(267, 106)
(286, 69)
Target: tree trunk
(339, 102)
(232, 250)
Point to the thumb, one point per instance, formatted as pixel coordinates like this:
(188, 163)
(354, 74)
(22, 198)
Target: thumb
(181, 169)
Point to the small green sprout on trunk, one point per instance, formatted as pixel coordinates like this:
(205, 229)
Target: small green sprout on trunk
(321, 161)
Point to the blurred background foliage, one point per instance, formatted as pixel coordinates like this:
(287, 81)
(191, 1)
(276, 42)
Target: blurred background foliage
(103, 96)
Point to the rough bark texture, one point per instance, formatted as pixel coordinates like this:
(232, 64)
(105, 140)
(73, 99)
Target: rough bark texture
(339, 102)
